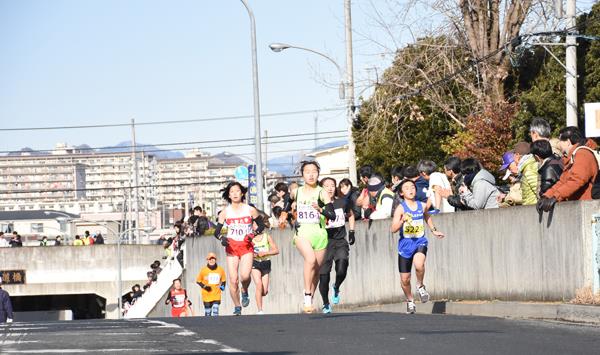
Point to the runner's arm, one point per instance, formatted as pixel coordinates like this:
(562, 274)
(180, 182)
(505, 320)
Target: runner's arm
(258, 219)
(351, 220)
(273, 249)
(398, 219)
(429, 222)
(328, 210)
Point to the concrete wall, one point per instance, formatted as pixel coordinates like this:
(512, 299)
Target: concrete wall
(78, 270)
(503, 254)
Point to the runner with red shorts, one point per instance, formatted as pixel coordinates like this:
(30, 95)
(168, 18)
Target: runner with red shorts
(178, 299)
(239, 218)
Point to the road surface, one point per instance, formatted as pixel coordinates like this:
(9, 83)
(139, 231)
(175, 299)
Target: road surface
(342, 333)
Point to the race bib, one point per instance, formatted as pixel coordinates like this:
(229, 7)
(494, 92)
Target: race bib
(214, 279)
(413, 229)
(340, 219)
(308, 215)
(179, 300)
(238, 231)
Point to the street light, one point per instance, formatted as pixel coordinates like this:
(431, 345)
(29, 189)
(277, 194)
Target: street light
(279, 47)
(257, 138)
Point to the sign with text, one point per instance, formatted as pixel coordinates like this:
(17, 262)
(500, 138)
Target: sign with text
(12, 277)
(252, 189)
(592, 119)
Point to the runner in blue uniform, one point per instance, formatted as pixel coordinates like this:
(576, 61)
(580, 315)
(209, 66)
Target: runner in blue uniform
(409, 219)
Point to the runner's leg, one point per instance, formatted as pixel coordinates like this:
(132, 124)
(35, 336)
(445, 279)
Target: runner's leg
(324, 287)
(256, 278)
(419, 262)
(246, 270)
(319, 259)
(233, 280)
(265, 284)
(310, 264)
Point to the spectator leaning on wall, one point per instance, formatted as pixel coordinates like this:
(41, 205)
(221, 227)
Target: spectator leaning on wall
(580, 171)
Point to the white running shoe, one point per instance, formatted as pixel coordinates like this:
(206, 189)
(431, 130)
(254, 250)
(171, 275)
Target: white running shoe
(260, 313)
(423, 294)
(410, 307)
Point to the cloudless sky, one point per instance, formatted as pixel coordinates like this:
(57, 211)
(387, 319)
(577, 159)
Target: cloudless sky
(71, 62)
(92, 62)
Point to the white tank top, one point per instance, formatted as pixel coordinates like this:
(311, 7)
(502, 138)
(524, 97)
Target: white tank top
(239, 223)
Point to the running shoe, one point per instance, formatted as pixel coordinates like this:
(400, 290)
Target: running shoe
(237, 311)
(411, 308)
(327, 309)
(245, 299)
(308, 309)
(336, 295)
(423, 294)
(260, 313)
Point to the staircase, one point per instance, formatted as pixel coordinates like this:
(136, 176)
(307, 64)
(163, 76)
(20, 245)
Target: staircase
(154, 294)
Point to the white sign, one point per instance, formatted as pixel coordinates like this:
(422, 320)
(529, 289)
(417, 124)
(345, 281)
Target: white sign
(592, 119)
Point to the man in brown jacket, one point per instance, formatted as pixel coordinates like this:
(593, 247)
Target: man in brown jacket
(580, 172)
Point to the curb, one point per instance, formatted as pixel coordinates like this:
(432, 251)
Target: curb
(546, 311)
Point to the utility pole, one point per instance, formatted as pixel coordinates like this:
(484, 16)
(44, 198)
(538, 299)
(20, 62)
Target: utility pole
(350, 88)
(136, 177)
(571, 64)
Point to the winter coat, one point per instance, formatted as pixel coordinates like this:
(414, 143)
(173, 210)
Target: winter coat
(422, 188)
(528, 170)
(6, 310)
(483, 193)
(578, 175)
(549, 171)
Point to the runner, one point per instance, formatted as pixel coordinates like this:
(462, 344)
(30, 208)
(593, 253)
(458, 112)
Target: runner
(337, 247)
(178, 299)
(264, 248)
(311, 236)
(212, 281)
(239, 218)
(412, 245)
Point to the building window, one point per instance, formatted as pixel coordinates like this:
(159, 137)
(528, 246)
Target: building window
(37, 227)
(6, 227)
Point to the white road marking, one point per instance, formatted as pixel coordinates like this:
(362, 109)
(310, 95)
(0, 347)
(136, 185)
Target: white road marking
(161, 324)
(225, 348)
(63, 351)
(12, 342)
(186, 333)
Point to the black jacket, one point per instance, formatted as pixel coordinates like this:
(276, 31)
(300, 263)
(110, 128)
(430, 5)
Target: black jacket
(550, 172)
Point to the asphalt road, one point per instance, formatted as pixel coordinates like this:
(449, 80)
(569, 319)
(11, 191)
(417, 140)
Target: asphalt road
(343, 333)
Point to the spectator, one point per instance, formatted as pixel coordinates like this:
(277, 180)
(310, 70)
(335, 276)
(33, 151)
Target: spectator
(161, 240)
(438, 182)
(15, 241)
(410, 172)
(44, 241)
(78, 241)
(580, 170)
(527, 168)
(57, 241)
(99, 239)
(274, 200)
(540, 130)
(6, 310)
(87, 238)
(514, 196)
(383, 197)
(351, 193)
(3, 241)
(478, 190)
(198, 222)
(155, 266)
(452, 171)
(550, 166)
(137, 292)
(168, 247)
(364, 174)
(396, 176)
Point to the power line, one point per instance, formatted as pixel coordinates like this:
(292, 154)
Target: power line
(207, 119)
(74, 156)
(182, 143)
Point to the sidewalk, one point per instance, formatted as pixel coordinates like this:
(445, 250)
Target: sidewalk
(547, 311)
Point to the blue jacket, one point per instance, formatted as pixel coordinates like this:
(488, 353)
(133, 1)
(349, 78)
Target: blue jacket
(6, 310)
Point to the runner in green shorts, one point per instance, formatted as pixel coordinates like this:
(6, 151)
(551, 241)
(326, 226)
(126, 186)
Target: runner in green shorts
(312, 205)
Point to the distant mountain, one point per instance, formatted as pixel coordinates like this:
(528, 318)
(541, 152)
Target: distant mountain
(287, 164)
(125, 147)
(26, 151)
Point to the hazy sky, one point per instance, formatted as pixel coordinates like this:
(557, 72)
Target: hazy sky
(72, 62)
